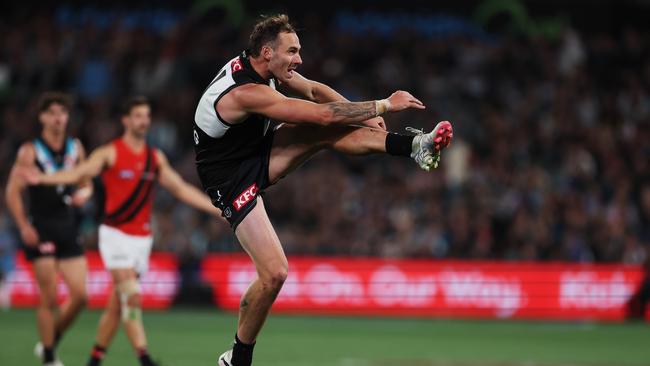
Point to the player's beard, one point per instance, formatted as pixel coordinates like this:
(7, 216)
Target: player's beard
(139, 133)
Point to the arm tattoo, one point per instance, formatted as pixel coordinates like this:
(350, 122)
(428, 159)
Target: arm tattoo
(353, 111)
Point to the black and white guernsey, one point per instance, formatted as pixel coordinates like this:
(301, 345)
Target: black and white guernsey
(219, 145)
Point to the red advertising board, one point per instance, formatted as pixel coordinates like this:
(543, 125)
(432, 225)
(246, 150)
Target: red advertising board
(435, 288)
(159, 285)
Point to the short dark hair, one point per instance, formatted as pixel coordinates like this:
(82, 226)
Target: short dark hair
(133, 102)
(266, 30)
(48, 98)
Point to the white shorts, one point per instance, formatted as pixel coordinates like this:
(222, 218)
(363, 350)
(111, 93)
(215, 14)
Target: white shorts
(120, 250)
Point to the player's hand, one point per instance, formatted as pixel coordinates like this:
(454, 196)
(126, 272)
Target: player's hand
(81, 196)
(377, 122)
(401, 100)
(29, 235)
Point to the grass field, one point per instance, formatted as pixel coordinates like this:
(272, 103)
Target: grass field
(196, 337)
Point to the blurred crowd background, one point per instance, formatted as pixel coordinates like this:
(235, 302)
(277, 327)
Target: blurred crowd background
(551, 111)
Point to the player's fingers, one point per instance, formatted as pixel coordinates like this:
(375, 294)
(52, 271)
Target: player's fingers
(416, 100)
(417, 105)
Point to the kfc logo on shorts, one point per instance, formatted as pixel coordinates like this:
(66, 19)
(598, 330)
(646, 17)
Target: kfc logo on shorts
(236, 65)
(47, 247)
(245, 197)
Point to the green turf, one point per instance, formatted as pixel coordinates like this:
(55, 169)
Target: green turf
(196, 337)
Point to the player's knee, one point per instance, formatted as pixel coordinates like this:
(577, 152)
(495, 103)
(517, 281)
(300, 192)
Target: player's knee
(49, 303)
(47, 300)
(276, 277)
(135, 300)
(129, 295)
(128, 288)
(79, 297)
(332, 135)
(80, 301)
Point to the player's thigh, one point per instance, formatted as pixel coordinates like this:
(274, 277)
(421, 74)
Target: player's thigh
(293, 145)
(259, 240)
(120, 275)
(74, 272)
(45, 274)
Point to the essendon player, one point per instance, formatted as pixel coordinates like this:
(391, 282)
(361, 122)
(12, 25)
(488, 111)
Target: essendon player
(49, 227)
(128, 168)
(241, 150)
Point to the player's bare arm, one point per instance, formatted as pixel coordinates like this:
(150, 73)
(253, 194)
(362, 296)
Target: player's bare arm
(85, 188)
(261, 99)
(185, 192)
(321, 93)
(99, 159)
(311, 90)
(16, 185)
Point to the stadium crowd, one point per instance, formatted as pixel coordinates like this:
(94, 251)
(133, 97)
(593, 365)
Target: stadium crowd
(551, 157)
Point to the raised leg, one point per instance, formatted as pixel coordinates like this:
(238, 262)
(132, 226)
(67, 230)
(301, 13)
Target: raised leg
(293, 145)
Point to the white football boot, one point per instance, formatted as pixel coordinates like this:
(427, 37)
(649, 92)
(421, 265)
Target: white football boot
(53, 363)
(427, 146)
(226, 359)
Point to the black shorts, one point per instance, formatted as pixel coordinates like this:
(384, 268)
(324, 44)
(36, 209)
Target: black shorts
(58, 239)
(237, 195)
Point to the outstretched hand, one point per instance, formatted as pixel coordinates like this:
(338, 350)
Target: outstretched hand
(401, 100)
(81, 196)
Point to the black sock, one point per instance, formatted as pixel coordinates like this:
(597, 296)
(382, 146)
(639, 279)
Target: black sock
(96, 355)
(242, 353)
(145, 359)
(400, 145)
(48, 354)
(57, 337)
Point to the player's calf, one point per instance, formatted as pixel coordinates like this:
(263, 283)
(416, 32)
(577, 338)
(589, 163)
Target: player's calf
(131, 313)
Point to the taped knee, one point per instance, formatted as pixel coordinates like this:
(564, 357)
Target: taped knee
(129, 290)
